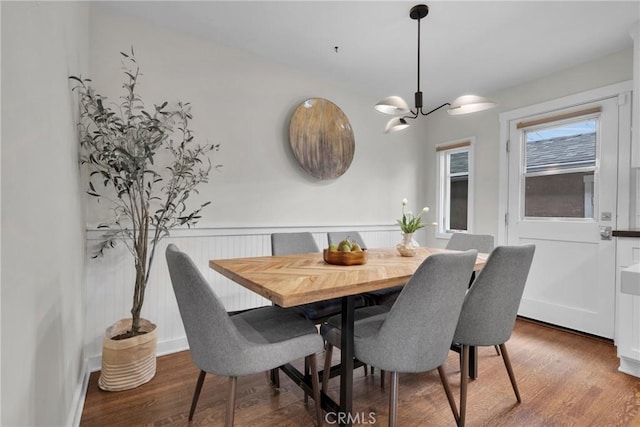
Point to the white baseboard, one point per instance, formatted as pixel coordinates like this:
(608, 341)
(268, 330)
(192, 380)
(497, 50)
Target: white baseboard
(629, 366)
(79, 395)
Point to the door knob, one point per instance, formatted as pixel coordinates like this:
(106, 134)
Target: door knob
(605, 232)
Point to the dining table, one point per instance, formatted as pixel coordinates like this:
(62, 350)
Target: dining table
(291, 280)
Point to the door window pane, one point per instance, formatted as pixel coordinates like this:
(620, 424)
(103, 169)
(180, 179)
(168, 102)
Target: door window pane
(568, 195)
(560, 164)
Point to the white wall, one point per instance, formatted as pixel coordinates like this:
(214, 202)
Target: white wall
(484, 126)
(634, 32)
(43, 238)
(245, 104)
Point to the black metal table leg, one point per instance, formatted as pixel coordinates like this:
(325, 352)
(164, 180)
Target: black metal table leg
(473, 359)
(473, 362)
(341, 411)
(346, 360)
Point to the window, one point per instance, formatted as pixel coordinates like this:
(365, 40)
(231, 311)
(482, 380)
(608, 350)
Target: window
(455, 186)
(560, 163)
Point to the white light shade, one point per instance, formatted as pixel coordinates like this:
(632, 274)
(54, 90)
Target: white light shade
(466, 104)
(396, 124)
(393, 105)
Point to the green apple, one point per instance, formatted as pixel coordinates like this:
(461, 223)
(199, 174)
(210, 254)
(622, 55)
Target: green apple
(344, 247)
(345, 243)
(333, 247)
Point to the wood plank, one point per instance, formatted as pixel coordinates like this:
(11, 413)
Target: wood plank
(289, 280)
(565, 380)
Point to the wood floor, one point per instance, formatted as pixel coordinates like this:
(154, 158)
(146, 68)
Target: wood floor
(565, 380)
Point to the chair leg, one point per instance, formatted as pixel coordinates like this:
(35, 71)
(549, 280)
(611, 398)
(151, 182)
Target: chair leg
(497, 349)
(306, 374)
(447, 390)
(316, 387)
(507, 364)
(393, 400)
(231, 402)
(196, 394)
(464, 382)
(382, 375)
(326, 372)
(275, 378)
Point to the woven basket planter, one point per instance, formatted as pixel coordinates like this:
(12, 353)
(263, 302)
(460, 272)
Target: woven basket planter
(130, 362)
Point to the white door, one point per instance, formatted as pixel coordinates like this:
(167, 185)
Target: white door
(562, 195)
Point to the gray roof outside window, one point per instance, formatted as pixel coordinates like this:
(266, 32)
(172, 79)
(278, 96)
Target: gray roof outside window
(459, 162)
(566, 152)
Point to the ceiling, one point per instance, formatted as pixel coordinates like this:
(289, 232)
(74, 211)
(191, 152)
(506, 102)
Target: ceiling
(466, 47)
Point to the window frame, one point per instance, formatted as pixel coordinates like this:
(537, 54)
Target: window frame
(443, 193)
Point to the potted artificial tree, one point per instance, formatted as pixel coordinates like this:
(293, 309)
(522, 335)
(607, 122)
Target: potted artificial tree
(144, 163)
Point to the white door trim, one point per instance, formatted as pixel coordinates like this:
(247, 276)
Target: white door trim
(548, 106)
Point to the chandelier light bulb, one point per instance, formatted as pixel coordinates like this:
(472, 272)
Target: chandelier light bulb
(393, 105)
(396, 124)
(466, 104)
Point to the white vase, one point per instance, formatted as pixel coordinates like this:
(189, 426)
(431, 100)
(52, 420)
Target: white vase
(408, 246)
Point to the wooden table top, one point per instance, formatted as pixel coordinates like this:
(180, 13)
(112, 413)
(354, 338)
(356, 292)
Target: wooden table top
(289, 280)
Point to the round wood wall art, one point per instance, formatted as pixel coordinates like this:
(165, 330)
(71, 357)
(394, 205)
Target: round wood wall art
(321, 138)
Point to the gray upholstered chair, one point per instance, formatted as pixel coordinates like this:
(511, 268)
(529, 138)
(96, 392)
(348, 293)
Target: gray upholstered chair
(483, 243)
(293, 243)
(490, 308)
(464, 241)
(300, 243)
(381, 297)
(415, 335)
(246, 343)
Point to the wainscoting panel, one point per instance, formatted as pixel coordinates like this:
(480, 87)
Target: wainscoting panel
(110, 278)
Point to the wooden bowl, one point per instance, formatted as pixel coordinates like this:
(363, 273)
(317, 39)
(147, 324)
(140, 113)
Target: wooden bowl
(344, 258)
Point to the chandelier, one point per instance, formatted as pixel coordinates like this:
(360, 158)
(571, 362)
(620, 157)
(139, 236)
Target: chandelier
(396, 106)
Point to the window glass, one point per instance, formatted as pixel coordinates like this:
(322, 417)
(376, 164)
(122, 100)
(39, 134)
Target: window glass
(454, 190)
(458, 190)
(560, 164)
